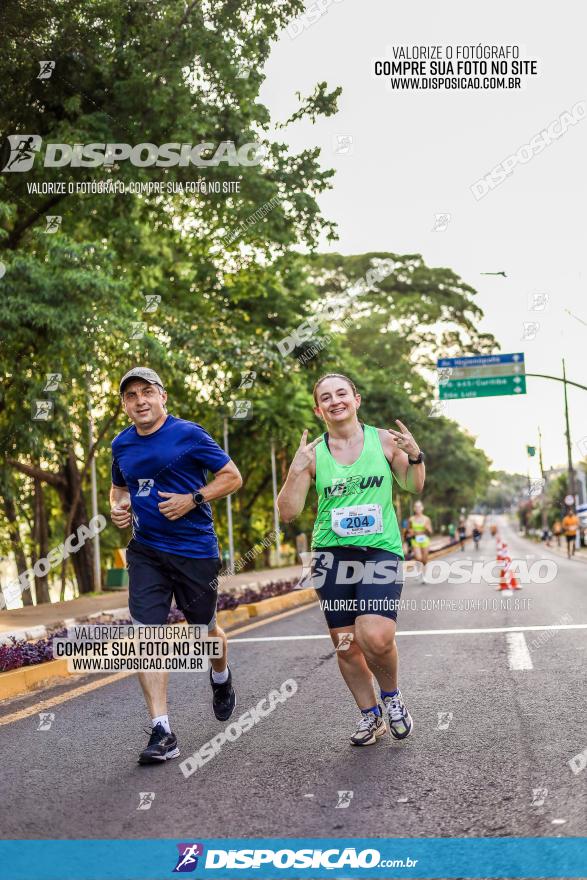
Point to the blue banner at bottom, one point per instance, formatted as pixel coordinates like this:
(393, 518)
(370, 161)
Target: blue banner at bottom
(487, 858)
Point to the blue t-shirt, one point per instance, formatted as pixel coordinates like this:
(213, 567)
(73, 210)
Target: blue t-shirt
(174, 458)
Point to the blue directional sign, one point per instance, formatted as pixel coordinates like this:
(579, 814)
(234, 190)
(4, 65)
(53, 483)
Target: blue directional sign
(482, 360)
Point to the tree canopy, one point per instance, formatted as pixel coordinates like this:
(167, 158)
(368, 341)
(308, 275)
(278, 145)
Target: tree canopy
(201, 286)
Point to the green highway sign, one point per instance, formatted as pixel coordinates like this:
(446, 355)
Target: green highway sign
(483, 387)
(481, 376)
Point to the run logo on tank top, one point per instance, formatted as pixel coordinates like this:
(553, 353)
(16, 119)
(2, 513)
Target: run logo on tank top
(352, 485)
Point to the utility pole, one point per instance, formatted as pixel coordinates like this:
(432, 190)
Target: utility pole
(572, 481)
(530, 453)
(94, 492)
(275, 510)
(571, 471)
(229, 509)
(543, 475)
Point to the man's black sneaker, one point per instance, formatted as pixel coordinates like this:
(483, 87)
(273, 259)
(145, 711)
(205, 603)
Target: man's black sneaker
(162, 746)
(224, 699)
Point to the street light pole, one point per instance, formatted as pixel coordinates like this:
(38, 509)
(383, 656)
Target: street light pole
(275, 508)
(543, 475)
(557, 379)
(571, 471)
(94, 493)
(229, 508)
(572, 486)
(572, 481)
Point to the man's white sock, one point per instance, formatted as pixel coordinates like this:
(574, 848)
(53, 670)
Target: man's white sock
(220, 677)
(163, 720)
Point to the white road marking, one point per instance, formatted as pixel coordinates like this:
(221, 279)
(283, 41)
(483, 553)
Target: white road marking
(518, 653)
(424, 632)
(62, 698)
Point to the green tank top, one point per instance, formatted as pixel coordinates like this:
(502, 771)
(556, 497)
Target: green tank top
(420, 536)
(355, 500)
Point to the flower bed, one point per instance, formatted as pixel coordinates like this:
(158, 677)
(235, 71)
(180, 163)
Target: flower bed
(22, 653)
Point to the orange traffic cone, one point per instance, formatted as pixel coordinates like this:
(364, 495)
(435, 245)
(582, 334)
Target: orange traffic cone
(514, 584)
(502, 581)
(510, 578)
(502, 557)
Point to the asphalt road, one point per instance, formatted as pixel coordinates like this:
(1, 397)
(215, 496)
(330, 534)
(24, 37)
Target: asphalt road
(473, 772)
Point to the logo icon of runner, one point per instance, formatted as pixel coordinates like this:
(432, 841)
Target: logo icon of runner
(22, 151)
(188, 857)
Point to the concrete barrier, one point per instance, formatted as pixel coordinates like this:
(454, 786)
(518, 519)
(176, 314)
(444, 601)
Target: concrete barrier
(232, 617)
(282, 603)
(27, 678)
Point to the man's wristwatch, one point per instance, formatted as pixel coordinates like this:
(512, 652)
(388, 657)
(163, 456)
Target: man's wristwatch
(197, 498)
(418, 460)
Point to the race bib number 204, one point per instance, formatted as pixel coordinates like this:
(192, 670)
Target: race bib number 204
(364, 519)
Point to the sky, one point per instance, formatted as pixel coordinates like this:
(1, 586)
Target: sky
(416, 154)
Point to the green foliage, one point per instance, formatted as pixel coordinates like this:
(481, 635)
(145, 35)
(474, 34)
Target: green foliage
(504, 490)
(233, 279)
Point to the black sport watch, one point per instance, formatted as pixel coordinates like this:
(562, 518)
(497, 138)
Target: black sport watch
(197, 498)
(418, 460)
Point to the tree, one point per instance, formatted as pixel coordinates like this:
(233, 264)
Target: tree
(71, 301)
(386, 318)
(503, 490)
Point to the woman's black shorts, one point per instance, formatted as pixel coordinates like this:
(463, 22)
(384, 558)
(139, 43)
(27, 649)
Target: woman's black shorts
(351, 581)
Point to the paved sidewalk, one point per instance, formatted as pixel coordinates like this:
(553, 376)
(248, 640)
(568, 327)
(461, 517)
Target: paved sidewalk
(51, 615)
(580, 555)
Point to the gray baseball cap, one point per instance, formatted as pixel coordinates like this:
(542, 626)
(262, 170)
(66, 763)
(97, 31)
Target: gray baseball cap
(145, 373)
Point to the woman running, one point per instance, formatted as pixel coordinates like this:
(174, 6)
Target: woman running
(420, 532)
(356, 544)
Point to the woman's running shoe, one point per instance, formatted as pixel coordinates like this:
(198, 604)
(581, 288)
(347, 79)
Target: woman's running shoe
(371, 727)
(400, 720)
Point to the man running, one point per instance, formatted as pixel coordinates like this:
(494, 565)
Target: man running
(557, 531)
(462, 532)
(159, 467)
(356, 544)
(420, 529)
(570, 526)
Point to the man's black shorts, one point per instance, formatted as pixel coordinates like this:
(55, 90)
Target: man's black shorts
(351, 581)
(155, 577)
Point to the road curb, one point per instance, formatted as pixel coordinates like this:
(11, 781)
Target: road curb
(229, 619)
(27, 678)
(561, 553)
(269, 607)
